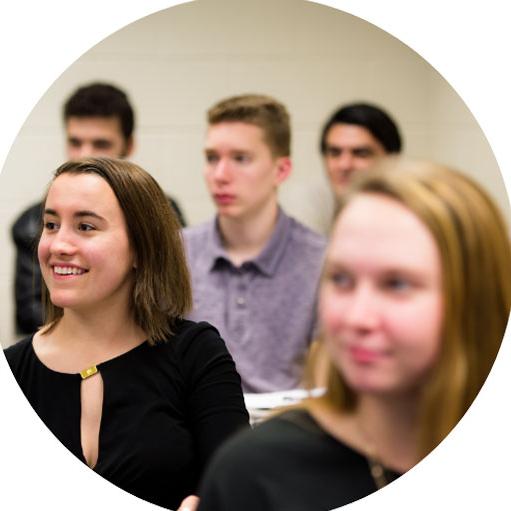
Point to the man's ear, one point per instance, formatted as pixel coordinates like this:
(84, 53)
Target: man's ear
(130, 146)
(284, 168)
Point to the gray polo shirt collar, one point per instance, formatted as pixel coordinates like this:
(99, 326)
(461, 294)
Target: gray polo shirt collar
(267, 261)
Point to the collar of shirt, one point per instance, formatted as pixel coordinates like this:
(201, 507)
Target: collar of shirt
(266, 262)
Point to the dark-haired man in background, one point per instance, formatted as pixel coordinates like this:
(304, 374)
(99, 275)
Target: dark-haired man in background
(99, 121)
(353, 139)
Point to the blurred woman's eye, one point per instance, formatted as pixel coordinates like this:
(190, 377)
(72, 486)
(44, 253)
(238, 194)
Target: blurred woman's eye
(397, 284)
(341, 279)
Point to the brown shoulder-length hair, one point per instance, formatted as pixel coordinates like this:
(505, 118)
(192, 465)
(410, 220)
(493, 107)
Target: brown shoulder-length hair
(162, 290)
(474, 247)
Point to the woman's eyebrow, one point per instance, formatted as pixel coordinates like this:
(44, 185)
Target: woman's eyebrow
(78, 214)
(86, 212)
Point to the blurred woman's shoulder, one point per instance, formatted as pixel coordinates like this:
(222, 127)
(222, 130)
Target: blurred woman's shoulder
(286, 462)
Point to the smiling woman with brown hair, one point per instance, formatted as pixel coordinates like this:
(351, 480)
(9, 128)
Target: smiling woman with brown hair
(414, 301)
(139, 394)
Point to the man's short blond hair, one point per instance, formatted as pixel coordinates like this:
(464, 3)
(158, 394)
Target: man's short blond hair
(262, 111)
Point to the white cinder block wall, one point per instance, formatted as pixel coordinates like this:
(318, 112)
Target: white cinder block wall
(176, 63)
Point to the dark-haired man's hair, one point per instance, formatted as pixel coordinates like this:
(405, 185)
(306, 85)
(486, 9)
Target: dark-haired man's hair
(373, 119)
(101, 100)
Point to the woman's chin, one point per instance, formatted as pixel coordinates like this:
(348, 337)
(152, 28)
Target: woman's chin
(64, 302)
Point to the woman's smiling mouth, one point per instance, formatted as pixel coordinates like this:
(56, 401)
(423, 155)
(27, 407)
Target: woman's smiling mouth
(63, 270)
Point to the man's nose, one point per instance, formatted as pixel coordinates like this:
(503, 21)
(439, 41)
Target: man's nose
(345, 161)
(84, 150)
(222, 170)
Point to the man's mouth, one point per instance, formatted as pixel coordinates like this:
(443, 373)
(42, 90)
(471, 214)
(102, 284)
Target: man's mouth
(223, 198)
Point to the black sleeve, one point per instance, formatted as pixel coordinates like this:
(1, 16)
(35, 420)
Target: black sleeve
(177, 210)
(18, 358)
(27, 281)
(287, 463)
(240, 477)
(215, 404)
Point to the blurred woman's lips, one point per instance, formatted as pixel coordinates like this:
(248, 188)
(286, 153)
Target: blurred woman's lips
(365, 355)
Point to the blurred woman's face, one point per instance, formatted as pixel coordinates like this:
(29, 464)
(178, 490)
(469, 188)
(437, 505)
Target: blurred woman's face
(381, 304)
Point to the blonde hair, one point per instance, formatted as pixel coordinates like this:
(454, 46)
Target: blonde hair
(474, 247)
(262, 111)
(162, 290)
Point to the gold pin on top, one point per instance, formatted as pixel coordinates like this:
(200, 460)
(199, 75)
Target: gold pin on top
(88, 372)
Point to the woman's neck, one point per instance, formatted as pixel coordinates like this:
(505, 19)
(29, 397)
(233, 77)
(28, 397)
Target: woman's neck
(382, 428)
(389, 427)
(82, 339)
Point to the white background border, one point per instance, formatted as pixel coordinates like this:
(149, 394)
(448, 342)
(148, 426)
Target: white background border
(468, 43)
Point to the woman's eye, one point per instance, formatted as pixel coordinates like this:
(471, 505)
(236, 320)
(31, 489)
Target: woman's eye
(50, 226)
(86, 227)
(398, 284)
(341, 280)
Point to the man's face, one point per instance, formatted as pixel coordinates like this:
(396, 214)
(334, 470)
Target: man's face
(95, 136)
(349, 148)
(241, 172)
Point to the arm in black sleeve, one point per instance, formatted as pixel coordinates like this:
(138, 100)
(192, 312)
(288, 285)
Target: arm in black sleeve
(177, 210)
(215, 404)
(27, 280)
(241, 475)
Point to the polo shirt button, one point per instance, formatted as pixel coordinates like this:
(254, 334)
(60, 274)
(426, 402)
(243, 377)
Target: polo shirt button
(240, 301)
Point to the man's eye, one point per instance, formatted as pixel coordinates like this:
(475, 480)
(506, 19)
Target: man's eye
(211, 158)
(241, 158)
(333, 152)
(102, 144)
(363, 153)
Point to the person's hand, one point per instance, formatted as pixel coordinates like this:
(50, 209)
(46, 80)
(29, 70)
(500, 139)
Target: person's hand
(189, 504)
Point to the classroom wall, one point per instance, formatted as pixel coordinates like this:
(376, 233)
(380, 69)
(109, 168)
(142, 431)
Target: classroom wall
(176, 63)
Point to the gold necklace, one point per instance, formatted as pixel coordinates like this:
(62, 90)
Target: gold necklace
(376, 468)
(377, 472)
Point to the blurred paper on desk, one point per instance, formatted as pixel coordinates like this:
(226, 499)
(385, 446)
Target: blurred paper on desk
(261, 405)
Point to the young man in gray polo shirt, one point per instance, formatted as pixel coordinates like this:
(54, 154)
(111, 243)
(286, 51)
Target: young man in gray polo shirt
(255, 271)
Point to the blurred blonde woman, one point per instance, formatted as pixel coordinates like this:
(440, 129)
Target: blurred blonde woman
(414, 301)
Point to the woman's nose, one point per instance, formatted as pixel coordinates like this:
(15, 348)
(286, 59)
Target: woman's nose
(363, 309)
(63, 243)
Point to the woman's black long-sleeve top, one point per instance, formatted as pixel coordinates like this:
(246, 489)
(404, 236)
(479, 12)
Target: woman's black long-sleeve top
(166, 408)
